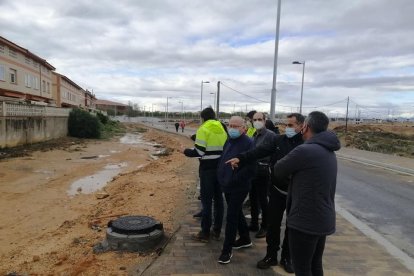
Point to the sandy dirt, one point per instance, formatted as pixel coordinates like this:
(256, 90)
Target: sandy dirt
(45, 230)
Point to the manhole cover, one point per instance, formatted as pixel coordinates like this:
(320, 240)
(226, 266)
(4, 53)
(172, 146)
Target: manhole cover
(132, 233)
(134, 225)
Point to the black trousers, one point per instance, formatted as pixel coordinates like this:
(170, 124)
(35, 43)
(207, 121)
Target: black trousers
(306, 251)
(276, 209)
(258, 199)
(235, 220)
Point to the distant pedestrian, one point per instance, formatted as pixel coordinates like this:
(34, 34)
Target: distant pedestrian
(235, 185)
(177, 125)
(310, 201)
(182, 125)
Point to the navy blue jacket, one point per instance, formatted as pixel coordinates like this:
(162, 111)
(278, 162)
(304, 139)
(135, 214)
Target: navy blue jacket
(310, 201)
(239, 179)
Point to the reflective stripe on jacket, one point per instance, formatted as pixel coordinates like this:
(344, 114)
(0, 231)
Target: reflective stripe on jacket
(210, 139)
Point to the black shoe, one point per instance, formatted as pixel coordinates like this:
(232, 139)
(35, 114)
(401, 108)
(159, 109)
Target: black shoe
(199, 197)
(201, 237)
(287, 265)
(267, 262)
(225, 258)
(253, 228)
(261, 233)
(242, 243)
(198, 215)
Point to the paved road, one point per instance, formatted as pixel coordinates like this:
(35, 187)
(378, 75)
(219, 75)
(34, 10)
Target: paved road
(380, 198)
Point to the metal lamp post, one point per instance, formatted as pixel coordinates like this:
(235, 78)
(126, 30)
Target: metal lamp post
(166, 114)
(201, 97)
(273, 91)
(303, 78)
(182, 110)
(214, 103)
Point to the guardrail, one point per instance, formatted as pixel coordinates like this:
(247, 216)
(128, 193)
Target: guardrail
(27, 110)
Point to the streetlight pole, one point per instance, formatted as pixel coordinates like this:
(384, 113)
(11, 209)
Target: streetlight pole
(166, 114)
(201, 97)
(273, 93)
(182, 110)
(152, 109)
(303, 78)
(212, 93)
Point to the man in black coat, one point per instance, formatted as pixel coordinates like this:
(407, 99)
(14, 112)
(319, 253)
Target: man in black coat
(310, 203)
(280, 146)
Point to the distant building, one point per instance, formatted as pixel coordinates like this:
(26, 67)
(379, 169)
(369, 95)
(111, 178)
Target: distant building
(112, 107)
(67, 93)
(24, 75)
(90, 100)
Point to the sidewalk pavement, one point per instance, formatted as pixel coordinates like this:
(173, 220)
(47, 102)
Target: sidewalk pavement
(347, 252)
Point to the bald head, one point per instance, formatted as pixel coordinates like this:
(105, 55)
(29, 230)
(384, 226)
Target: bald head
(236, 121)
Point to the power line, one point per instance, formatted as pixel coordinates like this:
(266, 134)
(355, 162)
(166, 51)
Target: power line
(259, 100)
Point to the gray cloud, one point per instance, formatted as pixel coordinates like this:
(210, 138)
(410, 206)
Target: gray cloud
(144, 51)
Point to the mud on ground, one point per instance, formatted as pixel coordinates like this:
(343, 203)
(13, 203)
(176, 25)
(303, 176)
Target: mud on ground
(45, 231)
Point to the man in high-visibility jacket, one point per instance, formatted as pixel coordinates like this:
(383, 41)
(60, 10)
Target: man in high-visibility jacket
(209, 142)
(250, 131)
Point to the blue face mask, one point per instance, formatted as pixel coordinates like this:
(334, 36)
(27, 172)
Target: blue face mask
(290, 132)
(234, 133)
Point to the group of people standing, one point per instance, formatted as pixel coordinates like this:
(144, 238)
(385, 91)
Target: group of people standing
(295, 171)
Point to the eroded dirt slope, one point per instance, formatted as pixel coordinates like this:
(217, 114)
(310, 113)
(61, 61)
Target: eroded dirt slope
(45, 231)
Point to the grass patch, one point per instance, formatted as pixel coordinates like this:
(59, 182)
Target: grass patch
(112, 129)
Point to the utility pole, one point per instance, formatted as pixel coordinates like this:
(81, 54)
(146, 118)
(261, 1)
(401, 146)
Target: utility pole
(218, 99)
(273, 92)
(346, 117)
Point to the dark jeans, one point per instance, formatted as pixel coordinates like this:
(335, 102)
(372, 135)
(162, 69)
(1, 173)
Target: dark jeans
(210, 190)
(258, 199)
(235, 220)
(277, 206)
(306, 251)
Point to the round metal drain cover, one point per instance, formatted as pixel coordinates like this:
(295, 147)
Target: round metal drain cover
(134, 233)
(134, 225)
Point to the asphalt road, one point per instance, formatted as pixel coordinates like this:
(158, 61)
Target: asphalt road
(382, 199)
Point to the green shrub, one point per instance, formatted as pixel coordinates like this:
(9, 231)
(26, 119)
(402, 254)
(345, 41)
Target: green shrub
(83, 125)
(102, 118)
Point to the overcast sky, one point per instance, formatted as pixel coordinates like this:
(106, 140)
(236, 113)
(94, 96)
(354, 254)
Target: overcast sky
(145, 51)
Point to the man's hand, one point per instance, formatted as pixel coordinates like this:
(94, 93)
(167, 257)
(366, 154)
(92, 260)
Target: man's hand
(234, 162)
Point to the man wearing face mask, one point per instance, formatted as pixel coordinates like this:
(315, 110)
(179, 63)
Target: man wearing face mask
(235, 184)
(279, 148)
(260, 183)
(310, 206)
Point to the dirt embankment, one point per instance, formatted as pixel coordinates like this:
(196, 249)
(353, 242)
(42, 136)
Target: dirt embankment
(45, 231)
(389, 139)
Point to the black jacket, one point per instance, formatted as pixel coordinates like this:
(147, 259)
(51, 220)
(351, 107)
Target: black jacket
(310, 201)
(277, 148)
(238, 179)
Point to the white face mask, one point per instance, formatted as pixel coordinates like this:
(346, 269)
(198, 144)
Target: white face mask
(258, 124)
(290, 132)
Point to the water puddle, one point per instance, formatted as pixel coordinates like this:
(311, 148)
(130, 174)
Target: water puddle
(135, 139)
(97, 181)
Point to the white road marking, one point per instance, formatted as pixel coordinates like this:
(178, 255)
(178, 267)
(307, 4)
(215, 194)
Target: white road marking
(406, 260)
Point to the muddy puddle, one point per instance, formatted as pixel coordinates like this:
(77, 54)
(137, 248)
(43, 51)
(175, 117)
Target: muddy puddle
(99, 180)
